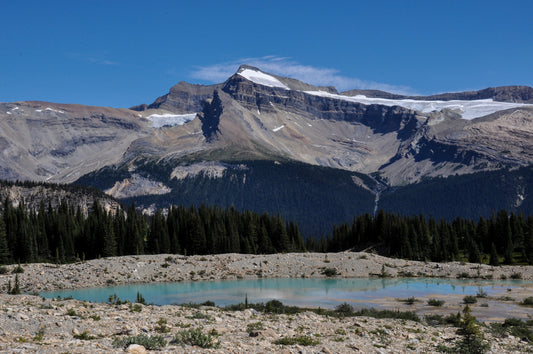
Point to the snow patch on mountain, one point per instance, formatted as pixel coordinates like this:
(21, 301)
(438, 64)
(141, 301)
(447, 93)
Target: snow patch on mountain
(49, 109)
(170, 120)
(278, 128)
(262, 79)
(468, 109)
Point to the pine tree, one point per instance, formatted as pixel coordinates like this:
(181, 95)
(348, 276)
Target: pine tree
(472, 341)
(494, 259)
(4, 248)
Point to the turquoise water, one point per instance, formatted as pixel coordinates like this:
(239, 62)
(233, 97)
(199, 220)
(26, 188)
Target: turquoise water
(326, 293)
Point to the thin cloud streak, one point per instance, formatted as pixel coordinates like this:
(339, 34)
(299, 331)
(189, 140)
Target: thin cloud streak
(92, 59)
(286, 67)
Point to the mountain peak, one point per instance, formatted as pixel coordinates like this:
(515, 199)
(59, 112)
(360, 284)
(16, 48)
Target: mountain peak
(260, 77)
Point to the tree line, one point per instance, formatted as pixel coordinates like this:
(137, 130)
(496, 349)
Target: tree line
(66, 234)
(502, 238)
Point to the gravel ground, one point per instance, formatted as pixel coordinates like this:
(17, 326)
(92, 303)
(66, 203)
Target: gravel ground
(30, 323)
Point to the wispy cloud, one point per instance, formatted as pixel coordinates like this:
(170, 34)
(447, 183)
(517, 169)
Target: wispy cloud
(92, 59)
(284, 66)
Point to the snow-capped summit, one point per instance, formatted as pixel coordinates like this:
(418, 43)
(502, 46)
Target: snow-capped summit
(259, 77)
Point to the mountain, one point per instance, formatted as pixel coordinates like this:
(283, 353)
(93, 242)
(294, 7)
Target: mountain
(33, 195)
(270, 143)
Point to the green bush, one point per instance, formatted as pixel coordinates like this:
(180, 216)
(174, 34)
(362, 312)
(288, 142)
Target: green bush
(344, 309)
(149, 342)
(18, 269)
(515, 327)
(84, 336)
(436, 302)
(195, 336)
(469, 299)
(528, 301)
(300, 340)
(409, 301)
(254, 326)
(330, 272)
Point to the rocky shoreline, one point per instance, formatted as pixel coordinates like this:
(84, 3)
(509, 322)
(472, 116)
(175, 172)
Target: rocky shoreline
(33, 324)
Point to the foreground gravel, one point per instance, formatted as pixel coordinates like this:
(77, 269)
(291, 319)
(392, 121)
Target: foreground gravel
(29, 323)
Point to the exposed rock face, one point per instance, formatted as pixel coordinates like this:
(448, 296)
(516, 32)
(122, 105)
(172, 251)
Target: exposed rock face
(523, 94)
(184, 98)
(32, 196)
(60, 142)
(266, 116)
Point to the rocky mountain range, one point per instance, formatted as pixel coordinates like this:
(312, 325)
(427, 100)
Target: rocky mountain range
(383, 141)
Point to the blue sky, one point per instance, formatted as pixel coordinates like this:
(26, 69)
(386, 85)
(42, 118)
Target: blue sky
(123, 53)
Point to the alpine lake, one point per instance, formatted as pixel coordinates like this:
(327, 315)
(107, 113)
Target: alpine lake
(494, 298)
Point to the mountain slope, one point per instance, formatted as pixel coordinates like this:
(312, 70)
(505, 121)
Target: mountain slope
(245, 142)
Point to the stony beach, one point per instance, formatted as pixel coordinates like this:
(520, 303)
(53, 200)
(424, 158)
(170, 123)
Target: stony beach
(30, 323)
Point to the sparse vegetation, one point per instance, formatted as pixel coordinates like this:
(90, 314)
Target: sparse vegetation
(528, 301)
(409, 301)
(515, 327)
(254, 326)
(436, 302)
(149, 342)
(84, 336)
(161, 326)
(469, 299)
(195, 336)
(298, 340)
(330, 272)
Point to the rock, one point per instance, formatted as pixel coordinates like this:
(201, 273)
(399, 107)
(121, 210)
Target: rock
(136, 349)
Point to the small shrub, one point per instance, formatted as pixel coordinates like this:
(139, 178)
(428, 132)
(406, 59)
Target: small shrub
(469, 299)
(254, 326)
(463, 275)
(18, 269)
(344, 309)
(199, 315)
(71, 312)
(95, 317)
(136, 308)
(84, 336)
(165, 265)
(300, 340)
(140, 299)
(3, 270)
(405, 274)
(409, 301)
(516, 276)
(39, 335)
(195, 336)
(169, 259)
(528, 301)
(330, 272)
(436, 302)
(161, 326)
(149, 342)
(115, 300)
(481, 294)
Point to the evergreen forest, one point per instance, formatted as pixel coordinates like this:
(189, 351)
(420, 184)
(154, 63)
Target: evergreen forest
(66, 234)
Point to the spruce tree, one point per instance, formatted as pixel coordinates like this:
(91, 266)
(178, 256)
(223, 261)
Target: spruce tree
(494, 260)
(4, 248)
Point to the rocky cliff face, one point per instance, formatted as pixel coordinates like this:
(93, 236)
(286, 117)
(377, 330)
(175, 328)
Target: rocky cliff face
(266, 116)
(32, 195)
(522, 94)
(43, 141)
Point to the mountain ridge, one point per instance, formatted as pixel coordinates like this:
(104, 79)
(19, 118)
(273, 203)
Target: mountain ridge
(187, 138)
